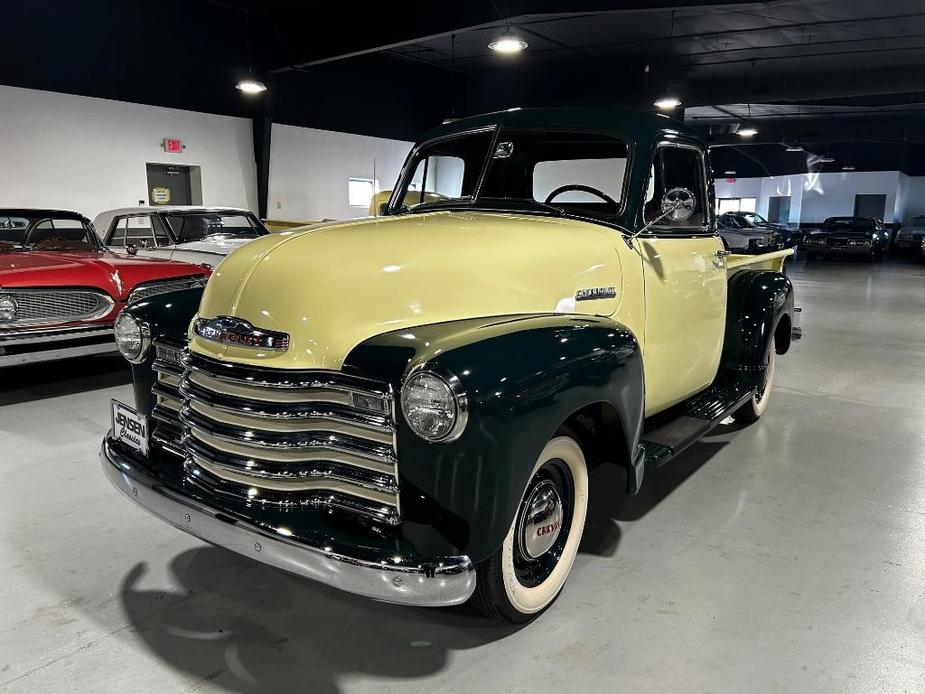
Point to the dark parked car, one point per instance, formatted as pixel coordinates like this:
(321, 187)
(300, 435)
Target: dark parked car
(911, 236)
(863, 237)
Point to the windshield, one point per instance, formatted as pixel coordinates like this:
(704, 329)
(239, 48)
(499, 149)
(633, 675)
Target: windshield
(554, 172)
(754, 218)
(195, 226)
(849, 223)
(46, 233)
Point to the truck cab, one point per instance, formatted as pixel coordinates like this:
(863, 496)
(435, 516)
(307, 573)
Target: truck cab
(407, 406)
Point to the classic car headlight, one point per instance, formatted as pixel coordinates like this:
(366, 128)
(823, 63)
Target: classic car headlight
(8, 308)
(133, 338)
(434, 406)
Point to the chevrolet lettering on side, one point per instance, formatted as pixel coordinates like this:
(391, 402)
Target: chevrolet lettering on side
(407, 406)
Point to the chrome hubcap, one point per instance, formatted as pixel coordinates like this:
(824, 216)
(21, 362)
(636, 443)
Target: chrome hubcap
(541, 521)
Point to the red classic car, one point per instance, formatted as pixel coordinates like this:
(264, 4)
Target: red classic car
(61, 289)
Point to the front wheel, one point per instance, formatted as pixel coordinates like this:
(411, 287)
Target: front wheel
(525, 575)
(756, 405)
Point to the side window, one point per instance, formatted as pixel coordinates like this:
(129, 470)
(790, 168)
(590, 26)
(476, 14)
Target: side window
(118, 234)
(678, 167)
(160, 232)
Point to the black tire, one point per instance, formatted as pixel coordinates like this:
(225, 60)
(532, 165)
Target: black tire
(511, 586)
(752, 410)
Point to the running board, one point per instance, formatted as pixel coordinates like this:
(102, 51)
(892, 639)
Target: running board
(698, 415)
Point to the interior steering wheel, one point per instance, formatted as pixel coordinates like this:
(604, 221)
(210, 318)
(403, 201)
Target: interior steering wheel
(582, 188)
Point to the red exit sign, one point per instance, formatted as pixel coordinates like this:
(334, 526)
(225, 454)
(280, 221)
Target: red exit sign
(173, 145)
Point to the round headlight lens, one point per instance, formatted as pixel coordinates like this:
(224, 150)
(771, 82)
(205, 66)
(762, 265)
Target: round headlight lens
(7, 307)
(132, 337)
(431, 408)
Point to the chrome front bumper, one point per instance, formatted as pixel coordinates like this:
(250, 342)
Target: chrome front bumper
(449, 581)
(51, 344)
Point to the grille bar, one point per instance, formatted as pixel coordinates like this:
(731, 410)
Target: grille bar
(285, 437)
(149, 289)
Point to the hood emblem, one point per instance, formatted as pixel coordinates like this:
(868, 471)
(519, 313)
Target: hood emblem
(595, 293)
(228, 330)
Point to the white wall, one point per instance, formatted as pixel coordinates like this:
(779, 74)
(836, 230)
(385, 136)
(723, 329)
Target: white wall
(86, 154)
(813, 197)
(309, 170)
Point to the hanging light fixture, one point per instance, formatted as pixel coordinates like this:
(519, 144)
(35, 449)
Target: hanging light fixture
(667, 103)
(508, 43)
(848, 167)
(250, 85)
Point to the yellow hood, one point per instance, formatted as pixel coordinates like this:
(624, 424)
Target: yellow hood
(331, 287)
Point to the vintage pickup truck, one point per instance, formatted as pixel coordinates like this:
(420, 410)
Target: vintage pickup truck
(406, 407)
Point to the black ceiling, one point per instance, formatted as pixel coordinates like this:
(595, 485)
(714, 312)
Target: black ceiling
(827, 72)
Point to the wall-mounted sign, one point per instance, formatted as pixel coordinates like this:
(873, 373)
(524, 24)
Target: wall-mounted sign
(173, 145)
(160, 196)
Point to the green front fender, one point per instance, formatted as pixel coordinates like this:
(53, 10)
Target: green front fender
(524, 377)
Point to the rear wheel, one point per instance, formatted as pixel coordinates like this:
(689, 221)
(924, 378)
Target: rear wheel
(526, 574)
(755, 407)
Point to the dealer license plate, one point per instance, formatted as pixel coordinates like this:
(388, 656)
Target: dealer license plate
(130, 427)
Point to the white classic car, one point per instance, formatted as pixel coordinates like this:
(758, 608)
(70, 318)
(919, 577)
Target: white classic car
(199, 235)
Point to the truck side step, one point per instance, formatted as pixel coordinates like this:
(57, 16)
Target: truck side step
(697, 416)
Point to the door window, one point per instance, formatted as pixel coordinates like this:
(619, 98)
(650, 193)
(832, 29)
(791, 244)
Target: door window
(141, 232)
(678, 167)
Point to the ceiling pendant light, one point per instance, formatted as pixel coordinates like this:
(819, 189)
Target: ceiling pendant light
(825, 159)
(667, 103)
(508, 43)
(250, 85)
(848, 167)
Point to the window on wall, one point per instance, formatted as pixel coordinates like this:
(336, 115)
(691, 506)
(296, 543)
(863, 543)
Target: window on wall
(360, 192)
(736, 205)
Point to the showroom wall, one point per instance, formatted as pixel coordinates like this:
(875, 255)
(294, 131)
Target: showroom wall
(813, 197)
(87, 154)
(309, 170)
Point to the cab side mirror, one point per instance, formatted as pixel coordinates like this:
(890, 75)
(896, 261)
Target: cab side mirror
(678, 204)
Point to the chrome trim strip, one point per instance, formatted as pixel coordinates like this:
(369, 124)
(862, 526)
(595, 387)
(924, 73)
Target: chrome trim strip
(291, 424)
(381, 481)
(56, 354)
(439, 582)
(34, 337)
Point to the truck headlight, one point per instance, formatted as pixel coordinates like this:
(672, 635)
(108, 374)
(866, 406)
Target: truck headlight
(434, 405)
(133, 338)
(8, 308)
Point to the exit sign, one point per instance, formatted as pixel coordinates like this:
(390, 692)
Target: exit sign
(173, 145)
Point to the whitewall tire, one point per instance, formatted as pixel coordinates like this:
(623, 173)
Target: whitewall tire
(527, 573)
(758, 403)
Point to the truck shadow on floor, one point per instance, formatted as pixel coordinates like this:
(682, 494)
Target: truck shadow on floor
(32, 382)
(246, 627)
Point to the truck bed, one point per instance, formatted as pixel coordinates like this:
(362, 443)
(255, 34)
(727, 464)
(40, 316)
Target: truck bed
(764, 261)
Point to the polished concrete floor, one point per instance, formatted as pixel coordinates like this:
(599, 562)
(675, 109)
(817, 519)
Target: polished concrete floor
(788, 556)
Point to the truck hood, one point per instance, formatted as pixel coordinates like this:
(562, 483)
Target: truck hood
(116, 275)
(332, 286)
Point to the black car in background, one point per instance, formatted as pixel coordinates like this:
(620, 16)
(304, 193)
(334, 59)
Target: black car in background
(862, 237)
(744, 220)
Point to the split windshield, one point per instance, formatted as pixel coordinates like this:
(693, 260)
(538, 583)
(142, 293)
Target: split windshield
(197, 226)
(45, 233)
(553, 172)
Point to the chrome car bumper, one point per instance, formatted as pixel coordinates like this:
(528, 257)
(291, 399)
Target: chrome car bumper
(44, 344)
(449, 581)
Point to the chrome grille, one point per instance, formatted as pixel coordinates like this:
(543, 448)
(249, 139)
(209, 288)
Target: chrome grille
(167, 429)
(49, 306)
(276, 436)
(149, 289)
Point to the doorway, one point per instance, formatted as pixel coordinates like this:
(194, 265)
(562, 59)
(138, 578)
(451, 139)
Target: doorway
(870, 206)
(171, 184)
(779, 209)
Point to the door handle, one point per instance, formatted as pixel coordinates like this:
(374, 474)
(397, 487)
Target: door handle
(722, 253)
